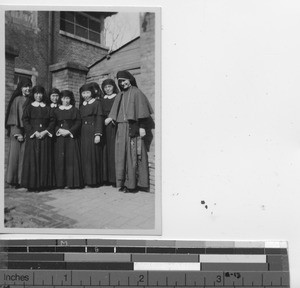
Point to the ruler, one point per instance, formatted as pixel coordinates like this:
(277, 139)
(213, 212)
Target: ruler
(142, 263)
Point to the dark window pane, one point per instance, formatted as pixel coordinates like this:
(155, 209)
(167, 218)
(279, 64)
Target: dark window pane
(81, 32)
(94, 25)
(66, 26)
(95, 37)
(67, 16)
(62, 24)
(82, 20)
(16, 79)
(20, 77)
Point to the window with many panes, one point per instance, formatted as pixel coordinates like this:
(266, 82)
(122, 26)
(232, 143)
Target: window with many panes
(81, 25)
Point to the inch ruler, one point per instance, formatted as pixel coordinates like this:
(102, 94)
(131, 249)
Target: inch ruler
(142, 263)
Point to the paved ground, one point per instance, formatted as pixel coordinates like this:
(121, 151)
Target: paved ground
(92, 208)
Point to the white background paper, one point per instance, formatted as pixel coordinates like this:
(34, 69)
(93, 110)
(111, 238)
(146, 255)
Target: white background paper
(230, 119)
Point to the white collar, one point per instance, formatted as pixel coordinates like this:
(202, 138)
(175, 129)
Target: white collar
(89, 102)
(110, 96)
(53, 105)
(37, 104)
(62, 107)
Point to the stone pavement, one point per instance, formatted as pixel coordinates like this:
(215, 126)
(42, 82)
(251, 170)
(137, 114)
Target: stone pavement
(88, 208)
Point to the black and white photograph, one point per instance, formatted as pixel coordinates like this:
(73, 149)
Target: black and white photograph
(160, 120)
(82, 120)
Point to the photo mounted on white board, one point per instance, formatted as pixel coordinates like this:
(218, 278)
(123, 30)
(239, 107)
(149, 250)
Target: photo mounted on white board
(82, 120)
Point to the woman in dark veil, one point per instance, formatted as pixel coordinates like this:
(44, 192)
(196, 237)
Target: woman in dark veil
(132, 112)
(39, 122)
(15, 130)
(110, 91)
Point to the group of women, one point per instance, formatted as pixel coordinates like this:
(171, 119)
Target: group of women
(55, 145)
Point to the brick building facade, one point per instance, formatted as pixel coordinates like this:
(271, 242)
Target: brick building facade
(49, 48)
(35, 41)
(40, 40)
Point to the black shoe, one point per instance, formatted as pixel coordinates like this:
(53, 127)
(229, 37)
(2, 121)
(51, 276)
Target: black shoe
(126, 190)
(130, 190)
(122, 189)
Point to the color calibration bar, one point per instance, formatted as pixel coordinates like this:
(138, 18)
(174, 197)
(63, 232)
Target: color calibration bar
(145, 263)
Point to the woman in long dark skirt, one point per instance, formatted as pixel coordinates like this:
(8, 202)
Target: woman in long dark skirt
(110, 91)
(15, 130)
(91, 132)
(39, 127)
(67, 159)
(53, 101)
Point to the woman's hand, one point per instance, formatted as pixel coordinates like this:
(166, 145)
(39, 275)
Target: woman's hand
(107, 121)
(20, 138)
(64, 132)
(142, 132)
(97, 139)
(43, 134)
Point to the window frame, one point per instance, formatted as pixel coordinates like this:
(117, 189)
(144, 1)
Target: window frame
(32, 74)
(76, 25)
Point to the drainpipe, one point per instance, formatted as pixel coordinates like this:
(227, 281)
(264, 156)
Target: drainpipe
(50, 48)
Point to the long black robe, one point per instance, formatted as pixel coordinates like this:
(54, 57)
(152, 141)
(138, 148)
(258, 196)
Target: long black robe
(108, 144)
(131, 110)
(16, 148)
(37, 166)
(91, 154)
(67, 159)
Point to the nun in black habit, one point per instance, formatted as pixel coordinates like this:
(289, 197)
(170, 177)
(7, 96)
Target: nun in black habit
(110, 91)
(131, 111)
(15, 130)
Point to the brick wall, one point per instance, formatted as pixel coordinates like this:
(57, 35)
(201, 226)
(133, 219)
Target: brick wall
(147, 78)
(9, 87)
(147, 47)
(69, 76)
(30, 36)
(31, 42)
